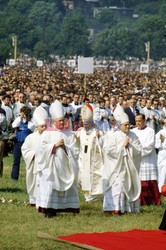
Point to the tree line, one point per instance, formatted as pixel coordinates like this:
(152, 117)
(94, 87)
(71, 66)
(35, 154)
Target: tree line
(47, 28)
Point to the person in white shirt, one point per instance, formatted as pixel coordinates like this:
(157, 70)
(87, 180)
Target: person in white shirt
(101, 116)
(121, 182)
(161, 159)
(6, 105)
(29, 151)
(148, 168)
(90, 157)
(3, 138)
(18, 105)
(58, 167)
(76, 104)
(24, 126)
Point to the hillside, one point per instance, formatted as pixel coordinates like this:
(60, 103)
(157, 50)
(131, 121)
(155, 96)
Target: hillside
(118, 28)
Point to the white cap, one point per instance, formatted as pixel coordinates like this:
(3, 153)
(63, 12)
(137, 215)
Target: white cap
(39, 116)
(118, 111)
(122, 118)
(87, 112)
(56, 110)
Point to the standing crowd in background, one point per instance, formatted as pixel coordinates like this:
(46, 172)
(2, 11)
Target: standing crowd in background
(109, 139)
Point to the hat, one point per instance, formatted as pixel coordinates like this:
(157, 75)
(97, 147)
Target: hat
(39, 116)
(56, 110)
(122, 118)
(87, 112)
(118, 111)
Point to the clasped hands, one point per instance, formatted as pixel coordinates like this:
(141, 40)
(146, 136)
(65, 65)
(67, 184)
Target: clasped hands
(60, 143)
(162, 138)
(126, 142)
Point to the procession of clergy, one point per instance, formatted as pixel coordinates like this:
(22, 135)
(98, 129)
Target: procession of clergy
(117, 166)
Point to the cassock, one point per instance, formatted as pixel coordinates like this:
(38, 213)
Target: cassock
(29, 152)
(58, 169)
(148, 167)
(90, 163)
(121, 180)
(161, 160)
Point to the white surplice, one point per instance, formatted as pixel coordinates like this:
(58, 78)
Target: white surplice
(90, 164)
(148, 167)
(161, 160)
(58, 171)
(29, 152)
(121, 180)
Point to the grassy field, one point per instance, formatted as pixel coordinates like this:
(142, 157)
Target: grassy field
(20, 223)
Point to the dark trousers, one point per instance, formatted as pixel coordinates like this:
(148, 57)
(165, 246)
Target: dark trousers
(2, 144)
(16, 160)
(163, 222)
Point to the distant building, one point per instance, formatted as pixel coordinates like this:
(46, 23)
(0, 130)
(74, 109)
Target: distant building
(92, 1)
(119, 12)
(86, 6)
(68, 4)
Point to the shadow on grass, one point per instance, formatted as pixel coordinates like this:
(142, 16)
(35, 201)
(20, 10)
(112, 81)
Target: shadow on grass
(11, 190)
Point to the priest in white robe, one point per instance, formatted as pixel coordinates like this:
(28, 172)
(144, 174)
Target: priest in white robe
(90, 156)
(58, 167)
(148, 166)
(161, 159)
(121, 180)
(29, 150)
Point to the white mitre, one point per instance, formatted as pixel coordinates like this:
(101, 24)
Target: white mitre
(40, 116)
(56, 110)
(122, 118)
(87, 112)
(118, 111)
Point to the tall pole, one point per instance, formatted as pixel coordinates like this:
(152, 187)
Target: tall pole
(148, 52)
(15, 49)
(14, 43)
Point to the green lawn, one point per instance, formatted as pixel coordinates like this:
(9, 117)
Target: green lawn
(20, 223)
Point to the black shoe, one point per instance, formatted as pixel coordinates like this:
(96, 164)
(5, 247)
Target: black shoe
(14, 179)
(163, 222)
(48, 215)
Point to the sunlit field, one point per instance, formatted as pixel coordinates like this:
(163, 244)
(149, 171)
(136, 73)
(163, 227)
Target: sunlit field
(20, 223)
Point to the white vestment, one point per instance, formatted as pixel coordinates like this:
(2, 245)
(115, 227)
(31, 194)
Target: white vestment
(29, 152)
(90, 163)
(100, 122)
(154, 124)
(148, 167)
(161, 160)
(121, 180)
(58, 171)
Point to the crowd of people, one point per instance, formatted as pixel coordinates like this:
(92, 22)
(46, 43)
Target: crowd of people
(107, 137)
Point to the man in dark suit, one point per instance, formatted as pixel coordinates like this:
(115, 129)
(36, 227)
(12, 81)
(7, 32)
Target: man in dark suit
(132, 111)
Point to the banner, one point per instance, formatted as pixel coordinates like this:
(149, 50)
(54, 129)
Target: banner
(39, 63)
(12, 62)
(144, 68)
(71, 63)
(85, 65)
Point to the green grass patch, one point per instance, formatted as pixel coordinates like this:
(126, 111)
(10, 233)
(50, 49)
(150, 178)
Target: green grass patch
(19, 223)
